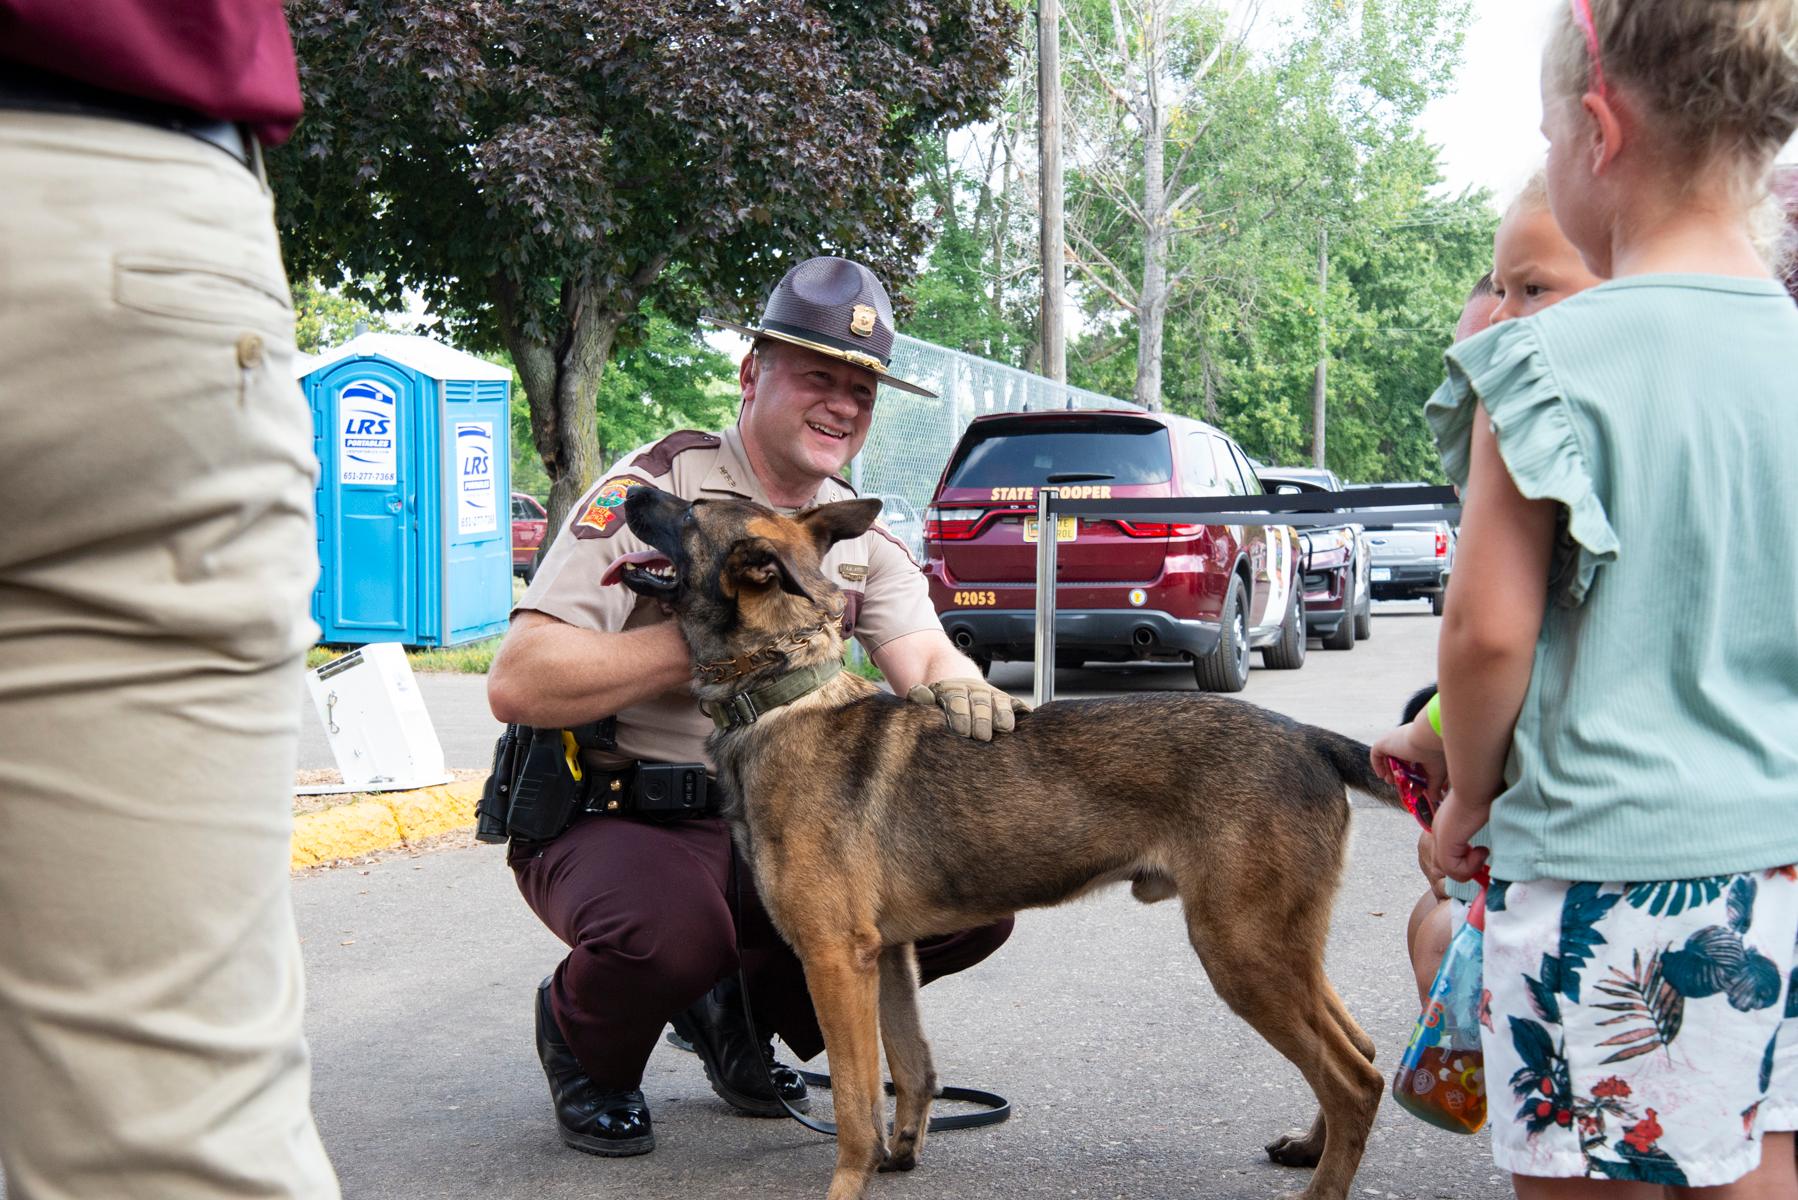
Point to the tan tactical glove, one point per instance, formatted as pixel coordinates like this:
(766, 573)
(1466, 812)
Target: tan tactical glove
(974, 707)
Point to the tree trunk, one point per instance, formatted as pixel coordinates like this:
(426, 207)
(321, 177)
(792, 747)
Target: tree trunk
(1050, 188)
(1323, 349)
(1151, 304)
(1208, 372)
(561, 381)
(1152, 318)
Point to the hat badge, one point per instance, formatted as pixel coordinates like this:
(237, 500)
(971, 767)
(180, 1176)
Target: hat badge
(861, 320)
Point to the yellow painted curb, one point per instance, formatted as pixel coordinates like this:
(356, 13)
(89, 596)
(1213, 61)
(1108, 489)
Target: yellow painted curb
(382, 821)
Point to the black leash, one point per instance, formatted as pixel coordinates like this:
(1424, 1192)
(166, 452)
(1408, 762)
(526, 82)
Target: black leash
(997, 1107)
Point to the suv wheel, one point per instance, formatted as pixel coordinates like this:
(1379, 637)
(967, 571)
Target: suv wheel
(1436, 601)
(984, 662)
(1364, 619)
(1288, 654)
(1226, 669)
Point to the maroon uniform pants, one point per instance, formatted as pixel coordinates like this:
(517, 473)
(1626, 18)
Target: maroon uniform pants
(646, 910)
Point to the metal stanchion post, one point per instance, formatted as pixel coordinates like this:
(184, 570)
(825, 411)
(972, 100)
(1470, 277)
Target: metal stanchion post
(1046, 545)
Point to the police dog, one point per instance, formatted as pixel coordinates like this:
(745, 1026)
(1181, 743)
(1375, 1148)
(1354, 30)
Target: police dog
(869, 825)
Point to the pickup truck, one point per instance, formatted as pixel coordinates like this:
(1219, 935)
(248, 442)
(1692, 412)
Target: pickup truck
(1409, 562)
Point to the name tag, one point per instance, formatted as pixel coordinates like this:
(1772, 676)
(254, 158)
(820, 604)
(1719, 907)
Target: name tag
(853, 572)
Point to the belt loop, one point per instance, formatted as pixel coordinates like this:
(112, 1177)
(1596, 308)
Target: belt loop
(253, 147)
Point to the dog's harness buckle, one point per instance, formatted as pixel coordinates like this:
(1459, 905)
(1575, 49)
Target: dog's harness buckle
(745, 708)
(738, 709)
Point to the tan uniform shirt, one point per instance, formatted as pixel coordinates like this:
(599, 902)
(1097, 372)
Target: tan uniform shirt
(885, 593)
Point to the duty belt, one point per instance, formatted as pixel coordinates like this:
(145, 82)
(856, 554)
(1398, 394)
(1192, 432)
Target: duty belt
(607, 791)
(650, 790)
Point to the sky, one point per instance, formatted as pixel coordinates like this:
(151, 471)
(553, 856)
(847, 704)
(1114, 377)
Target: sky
(1488, 127)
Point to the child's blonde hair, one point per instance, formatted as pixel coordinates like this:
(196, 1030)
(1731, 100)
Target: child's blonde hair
(1720, 75)
(1532, 197)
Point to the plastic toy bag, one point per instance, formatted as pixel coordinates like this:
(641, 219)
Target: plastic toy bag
(1442, 1078)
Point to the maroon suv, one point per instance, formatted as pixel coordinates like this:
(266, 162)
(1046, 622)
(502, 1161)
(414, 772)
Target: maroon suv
(529, 523)
(1125, 589)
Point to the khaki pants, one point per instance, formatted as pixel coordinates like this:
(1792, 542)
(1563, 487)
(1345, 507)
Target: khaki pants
(156, 556)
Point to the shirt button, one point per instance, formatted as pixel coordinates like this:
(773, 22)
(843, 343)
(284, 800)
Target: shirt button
(249, 351)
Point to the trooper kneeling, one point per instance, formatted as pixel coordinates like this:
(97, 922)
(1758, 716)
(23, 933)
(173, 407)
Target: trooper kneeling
(615, 838)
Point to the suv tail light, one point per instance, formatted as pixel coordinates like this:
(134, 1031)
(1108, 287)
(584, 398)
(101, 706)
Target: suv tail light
(1141, 529)
(1441, 544)
(952, 524)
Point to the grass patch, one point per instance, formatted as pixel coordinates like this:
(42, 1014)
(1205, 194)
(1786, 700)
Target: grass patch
(865, 668)
(473, 659)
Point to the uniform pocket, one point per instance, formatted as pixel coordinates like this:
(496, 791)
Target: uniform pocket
(199, 291)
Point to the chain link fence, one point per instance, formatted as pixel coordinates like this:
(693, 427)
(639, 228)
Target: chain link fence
(912, 436)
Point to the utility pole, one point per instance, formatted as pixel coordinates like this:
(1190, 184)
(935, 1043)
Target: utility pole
(1048, 145)
(1323, 349)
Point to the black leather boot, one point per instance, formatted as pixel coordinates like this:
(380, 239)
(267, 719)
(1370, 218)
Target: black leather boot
(615, 1124)
(727, 1046)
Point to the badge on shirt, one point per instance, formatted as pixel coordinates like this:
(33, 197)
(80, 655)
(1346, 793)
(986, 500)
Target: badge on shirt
(605, 512)
(853, 572)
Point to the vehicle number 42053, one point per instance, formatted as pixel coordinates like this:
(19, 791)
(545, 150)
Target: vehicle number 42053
(976, 599)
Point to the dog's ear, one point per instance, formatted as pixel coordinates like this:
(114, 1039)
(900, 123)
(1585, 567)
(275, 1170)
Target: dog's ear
(831, 523)
(758, 562)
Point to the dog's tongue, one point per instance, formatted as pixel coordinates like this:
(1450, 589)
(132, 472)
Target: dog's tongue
(615, 572)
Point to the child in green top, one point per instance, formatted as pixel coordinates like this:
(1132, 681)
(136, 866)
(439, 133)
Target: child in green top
(1619, 654)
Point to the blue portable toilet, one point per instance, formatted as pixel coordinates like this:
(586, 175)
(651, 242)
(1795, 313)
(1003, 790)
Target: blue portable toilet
(414, 492)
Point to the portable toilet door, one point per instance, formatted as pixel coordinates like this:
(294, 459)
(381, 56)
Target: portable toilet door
(371, 412)
(475, 419)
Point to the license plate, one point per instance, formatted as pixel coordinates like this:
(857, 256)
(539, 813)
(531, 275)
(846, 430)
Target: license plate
(1381, 574)
(1066, 529)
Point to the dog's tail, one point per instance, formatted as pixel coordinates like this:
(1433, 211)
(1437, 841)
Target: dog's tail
(1350, 758)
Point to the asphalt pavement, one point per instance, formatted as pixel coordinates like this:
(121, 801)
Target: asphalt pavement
(1127, 1075)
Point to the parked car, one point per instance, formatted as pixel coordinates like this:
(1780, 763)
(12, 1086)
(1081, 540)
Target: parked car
(1125, 590)
(1410, 562)
(903, 520)
(530, 520)
(1334, 563)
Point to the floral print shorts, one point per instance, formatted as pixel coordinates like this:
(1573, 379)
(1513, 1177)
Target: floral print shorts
(1641, 1031)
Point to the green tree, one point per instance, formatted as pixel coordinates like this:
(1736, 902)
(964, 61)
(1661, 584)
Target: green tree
(670, 379)
(980, 290)
(324, 317)
(1206, 164)
(1400, 268)
(667, 379)
(540, 169)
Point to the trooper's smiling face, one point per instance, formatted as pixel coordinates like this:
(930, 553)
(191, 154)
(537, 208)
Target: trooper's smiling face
(807, 413)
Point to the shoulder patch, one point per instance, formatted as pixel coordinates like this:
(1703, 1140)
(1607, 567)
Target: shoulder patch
(659, 458)
(603, 515)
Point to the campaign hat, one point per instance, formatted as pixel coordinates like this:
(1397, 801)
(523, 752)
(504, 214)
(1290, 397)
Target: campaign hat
(834, 306)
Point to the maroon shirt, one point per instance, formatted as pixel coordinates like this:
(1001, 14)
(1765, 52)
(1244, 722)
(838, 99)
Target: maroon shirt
(227, 59)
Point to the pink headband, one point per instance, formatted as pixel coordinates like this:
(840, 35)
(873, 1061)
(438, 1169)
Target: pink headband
(1582, 16)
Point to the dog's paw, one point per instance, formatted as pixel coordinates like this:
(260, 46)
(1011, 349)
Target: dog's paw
(1294, 1150)
(902, 1158)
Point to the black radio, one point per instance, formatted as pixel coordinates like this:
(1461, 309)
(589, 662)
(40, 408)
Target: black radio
(668, 791)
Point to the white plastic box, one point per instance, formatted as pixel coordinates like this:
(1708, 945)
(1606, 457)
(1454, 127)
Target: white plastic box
(375, 720)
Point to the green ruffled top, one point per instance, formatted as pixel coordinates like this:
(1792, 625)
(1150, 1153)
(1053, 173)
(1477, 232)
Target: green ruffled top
(1659, 736)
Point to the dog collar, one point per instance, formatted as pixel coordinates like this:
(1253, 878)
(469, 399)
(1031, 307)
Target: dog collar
(742, 708)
